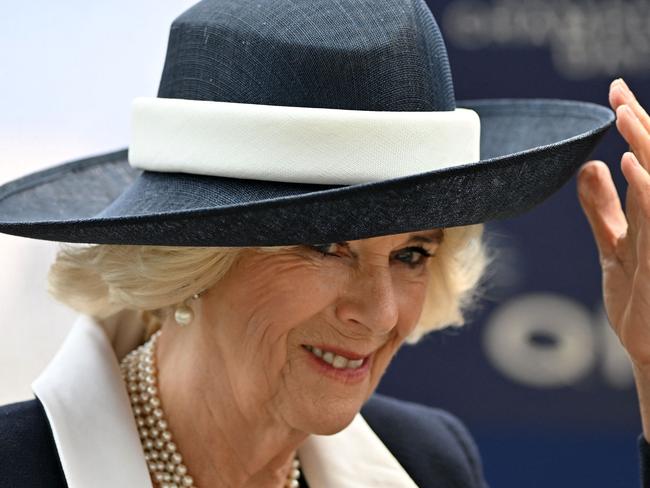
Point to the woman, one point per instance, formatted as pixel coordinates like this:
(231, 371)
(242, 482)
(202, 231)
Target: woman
(246, 291)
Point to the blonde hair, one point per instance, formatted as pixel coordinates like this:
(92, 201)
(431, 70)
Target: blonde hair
(101, 280)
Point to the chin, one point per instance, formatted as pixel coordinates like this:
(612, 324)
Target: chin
(326, 416)
(328, 423)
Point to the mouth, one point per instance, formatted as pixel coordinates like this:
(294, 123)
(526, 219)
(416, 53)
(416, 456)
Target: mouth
(338, 359)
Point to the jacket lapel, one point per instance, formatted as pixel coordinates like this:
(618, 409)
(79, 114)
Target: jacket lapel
(89, 412)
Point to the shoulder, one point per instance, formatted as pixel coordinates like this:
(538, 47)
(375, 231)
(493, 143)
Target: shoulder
(433, 445)
(28, 456)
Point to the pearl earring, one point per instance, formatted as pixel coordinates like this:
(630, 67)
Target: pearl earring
(183, 314)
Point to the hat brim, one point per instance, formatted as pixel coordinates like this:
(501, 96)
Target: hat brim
(529, 149)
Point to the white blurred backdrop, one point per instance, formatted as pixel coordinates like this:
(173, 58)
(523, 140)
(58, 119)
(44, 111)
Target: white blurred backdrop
(68, 73)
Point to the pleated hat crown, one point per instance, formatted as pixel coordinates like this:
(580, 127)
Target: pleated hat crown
(378, 55)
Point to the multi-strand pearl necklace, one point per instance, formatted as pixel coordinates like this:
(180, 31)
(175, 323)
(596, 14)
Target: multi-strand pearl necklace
(163, 459)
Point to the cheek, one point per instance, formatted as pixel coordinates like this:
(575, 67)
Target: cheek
(270, 299)
(292, 298)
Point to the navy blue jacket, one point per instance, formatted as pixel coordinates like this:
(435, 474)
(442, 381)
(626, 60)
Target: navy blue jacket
(432, 445)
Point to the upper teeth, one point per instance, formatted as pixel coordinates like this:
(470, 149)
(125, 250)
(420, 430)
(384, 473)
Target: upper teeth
(335, 360)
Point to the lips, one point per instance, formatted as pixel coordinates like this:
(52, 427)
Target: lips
(337, 358)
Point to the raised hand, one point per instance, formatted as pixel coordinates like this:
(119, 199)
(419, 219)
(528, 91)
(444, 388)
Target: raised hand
(623, 237)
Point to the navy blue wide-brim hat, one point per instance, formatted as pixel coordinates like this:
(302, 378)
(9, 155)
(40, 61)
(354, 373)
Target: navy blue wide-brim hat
(307, 121)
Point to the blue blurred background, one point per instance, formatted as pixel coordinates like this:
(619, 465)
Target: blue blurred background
(537, 374)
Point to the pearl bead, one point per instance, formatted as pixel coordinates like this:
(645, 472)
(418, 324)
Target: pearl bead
(183, 315)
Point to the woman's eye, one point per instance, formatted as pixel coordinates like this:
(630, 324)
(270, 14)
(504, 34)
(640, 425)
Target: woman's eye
(323, 249)
(413, 256)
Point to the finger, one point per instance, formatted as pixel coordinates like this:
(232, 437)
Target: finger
(599, 200)
(634, 133)
(639, 181)
(620, 93)
(632, 209)
(638, 207)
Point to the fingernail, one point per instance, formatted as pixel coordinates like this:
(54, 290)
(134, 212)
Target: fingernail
(624, 85)
(617, 87)
(589, 176)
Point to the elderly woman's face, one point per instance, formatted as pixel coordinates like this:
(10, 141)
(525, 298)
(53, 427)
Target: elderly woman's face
(307, 335)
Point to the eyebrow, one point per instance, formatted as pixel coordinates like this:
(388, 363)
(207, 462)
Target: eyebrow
(435, 236)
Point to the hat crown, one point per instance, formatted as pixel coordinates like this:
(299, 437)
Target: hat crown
(379, 55)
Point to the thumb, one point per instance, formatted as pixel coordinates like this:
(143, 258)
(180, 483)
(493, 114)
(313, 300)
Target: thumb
(602, 207)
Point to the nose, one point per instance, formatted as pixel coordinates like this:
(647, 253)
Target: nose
(370, 301)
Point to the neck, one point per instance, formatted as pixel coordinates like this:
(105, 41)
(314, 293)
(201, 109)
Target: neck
(223, 443)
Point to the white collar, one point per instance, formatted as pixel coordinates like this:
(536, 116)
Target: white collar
(97, 440)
